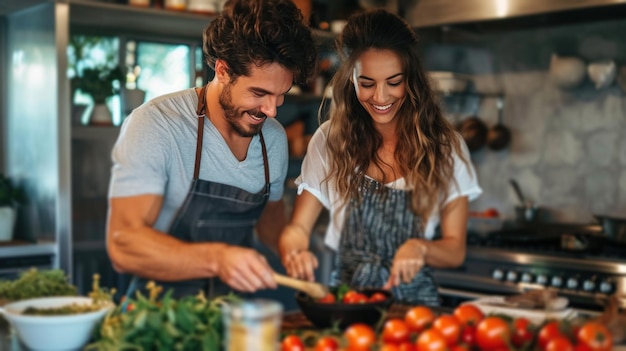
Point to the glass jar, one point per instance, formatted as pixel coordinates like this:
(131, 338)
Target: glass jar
(252, 325)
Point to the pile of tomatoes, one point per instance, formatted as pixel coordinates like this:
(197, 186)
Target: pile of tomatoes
(351, 296)
(466, 328)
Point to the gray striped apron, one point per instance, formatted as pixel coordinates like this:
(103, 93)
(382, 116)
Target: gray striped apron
(376, 225)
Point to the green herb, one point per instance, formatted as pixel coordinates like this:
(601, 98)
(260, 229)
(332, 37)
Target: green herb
(191, 323)
(34, 283)
(341, 291)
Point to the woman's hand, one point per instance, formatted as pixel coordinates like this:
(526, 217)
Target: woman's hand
(407, 263)
(293, 246)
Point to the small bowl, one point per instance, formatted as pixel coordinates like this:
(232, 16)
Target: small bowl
(324, 315)
(54, 332)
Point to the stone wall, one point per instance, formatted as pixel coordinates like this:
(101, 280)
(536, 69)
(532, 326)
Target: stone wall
(568, 151)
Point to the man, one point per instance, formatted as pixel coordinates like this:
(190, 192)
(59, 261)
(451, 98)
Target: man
(194, 172)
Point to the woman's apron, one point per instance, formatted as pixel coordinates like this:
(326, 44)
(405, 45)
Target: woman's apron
(212, 212)
(375, 227)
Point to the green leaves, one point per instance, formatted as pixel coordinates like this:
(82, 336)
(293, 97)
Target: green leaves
(189, 324)
(34, 283)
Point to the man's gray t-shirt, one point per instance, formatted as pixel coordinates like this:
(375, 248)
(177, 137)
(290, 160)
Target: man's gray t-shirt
(155, 154)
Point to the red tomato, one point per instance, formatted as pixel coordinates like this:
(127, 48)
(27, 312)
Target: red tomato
(595, 336)
(292, 343)
(355, 298)
(581, 347)
(359, 336)
(548, 332)
(523, 332)
(418, 318)
(460, 348)
(559, 343)
(348, 295)
(406, 346)
(492, 333)
(468, 335)
(389, 347)
(431, 340)
(328, 298)
(395, 330)
(376, 297)
(326, 343)
(449, 327)
(468, 314)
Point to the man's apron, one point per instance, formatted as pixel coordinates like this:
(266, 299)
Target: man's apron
(374, 229)
(212, 212)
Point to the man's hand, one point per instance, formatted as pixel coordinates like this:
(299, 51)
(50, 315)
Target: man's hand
(244, 269)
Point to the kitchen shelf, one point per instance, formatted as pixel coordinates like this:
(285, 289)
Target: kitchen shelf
(22, 249)
(119, 18)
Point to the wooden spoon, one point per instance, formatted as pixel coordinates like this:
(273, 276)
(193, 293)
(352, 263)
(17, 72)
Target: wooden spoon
(315, 290)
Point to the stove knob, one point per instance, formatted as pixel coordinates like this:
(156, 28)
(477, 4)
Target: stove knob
(589, 285)
(557, 281)
(606, 287)
(511, 276)
(572, 283)
(527, 278)
(542, 279)
(497, 274)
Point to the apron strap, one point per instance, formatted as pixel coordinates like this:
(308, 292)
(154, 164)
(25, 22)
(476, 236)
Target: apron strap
(201, 113)
(265, 163)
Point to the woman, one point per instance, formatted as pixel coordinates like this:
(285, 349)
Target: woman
(387, 165)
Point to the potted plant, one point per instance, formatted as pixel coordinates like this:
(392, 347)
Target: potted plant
(100, 83)
(10, 197)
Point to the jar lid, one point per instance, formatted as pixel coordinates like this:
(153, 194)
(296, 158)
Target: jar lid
(252, 309)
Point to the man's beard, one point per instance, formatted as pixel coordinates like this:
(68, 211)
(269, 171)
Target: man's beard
(234, 117)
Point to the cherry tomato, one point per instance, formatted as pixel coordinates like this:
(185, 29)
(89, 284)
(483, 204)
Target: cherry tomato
(292, 343)
(449, 327)
(468, 314)
(492, 333)
(581, 347)
(406, 346)
(431, 340)
(377, 297)
(359, 336)
(395, 330)
(559, 343)
(418, 318)
(460, 348)
(523, 332)
(389, 347)
(357, 297)
(326, 343)
(348, 295)
(468, 335)
(548, 332)
(595, 336)
(328, 298)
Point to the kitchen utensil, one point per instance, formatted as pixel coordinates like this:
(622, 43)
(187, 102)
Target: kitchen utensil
(621, 78)
(527, 213)
(518, 191)
(614, 228)
(499, 136)
(53, 332)
(315, 290)
(582, 242)
(497, 305)
(602, 73)
(324, 315)
(567, 72)
(474, 132)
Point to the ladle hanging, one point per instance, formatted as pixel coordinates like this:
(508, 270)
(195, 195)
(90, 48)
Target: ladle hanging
(499, 136)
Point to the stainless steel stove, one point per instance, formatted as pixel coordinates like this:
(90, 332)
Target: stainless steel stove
(512, 260)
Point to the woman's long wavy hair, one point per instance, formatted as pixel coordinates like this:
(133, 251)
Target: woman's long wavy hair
(426, 140)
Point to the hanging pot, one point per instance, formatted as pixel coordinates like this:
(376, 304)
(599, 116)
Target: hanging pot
(499, 136)
(474, 132)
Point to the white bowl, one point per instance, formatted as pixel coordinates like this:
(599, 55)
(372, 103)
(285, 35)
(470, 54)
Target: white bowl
(58, 333)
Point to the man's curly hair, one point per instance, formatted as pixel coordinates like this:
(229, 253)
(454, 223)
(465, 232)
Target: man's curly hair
(259, 32)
